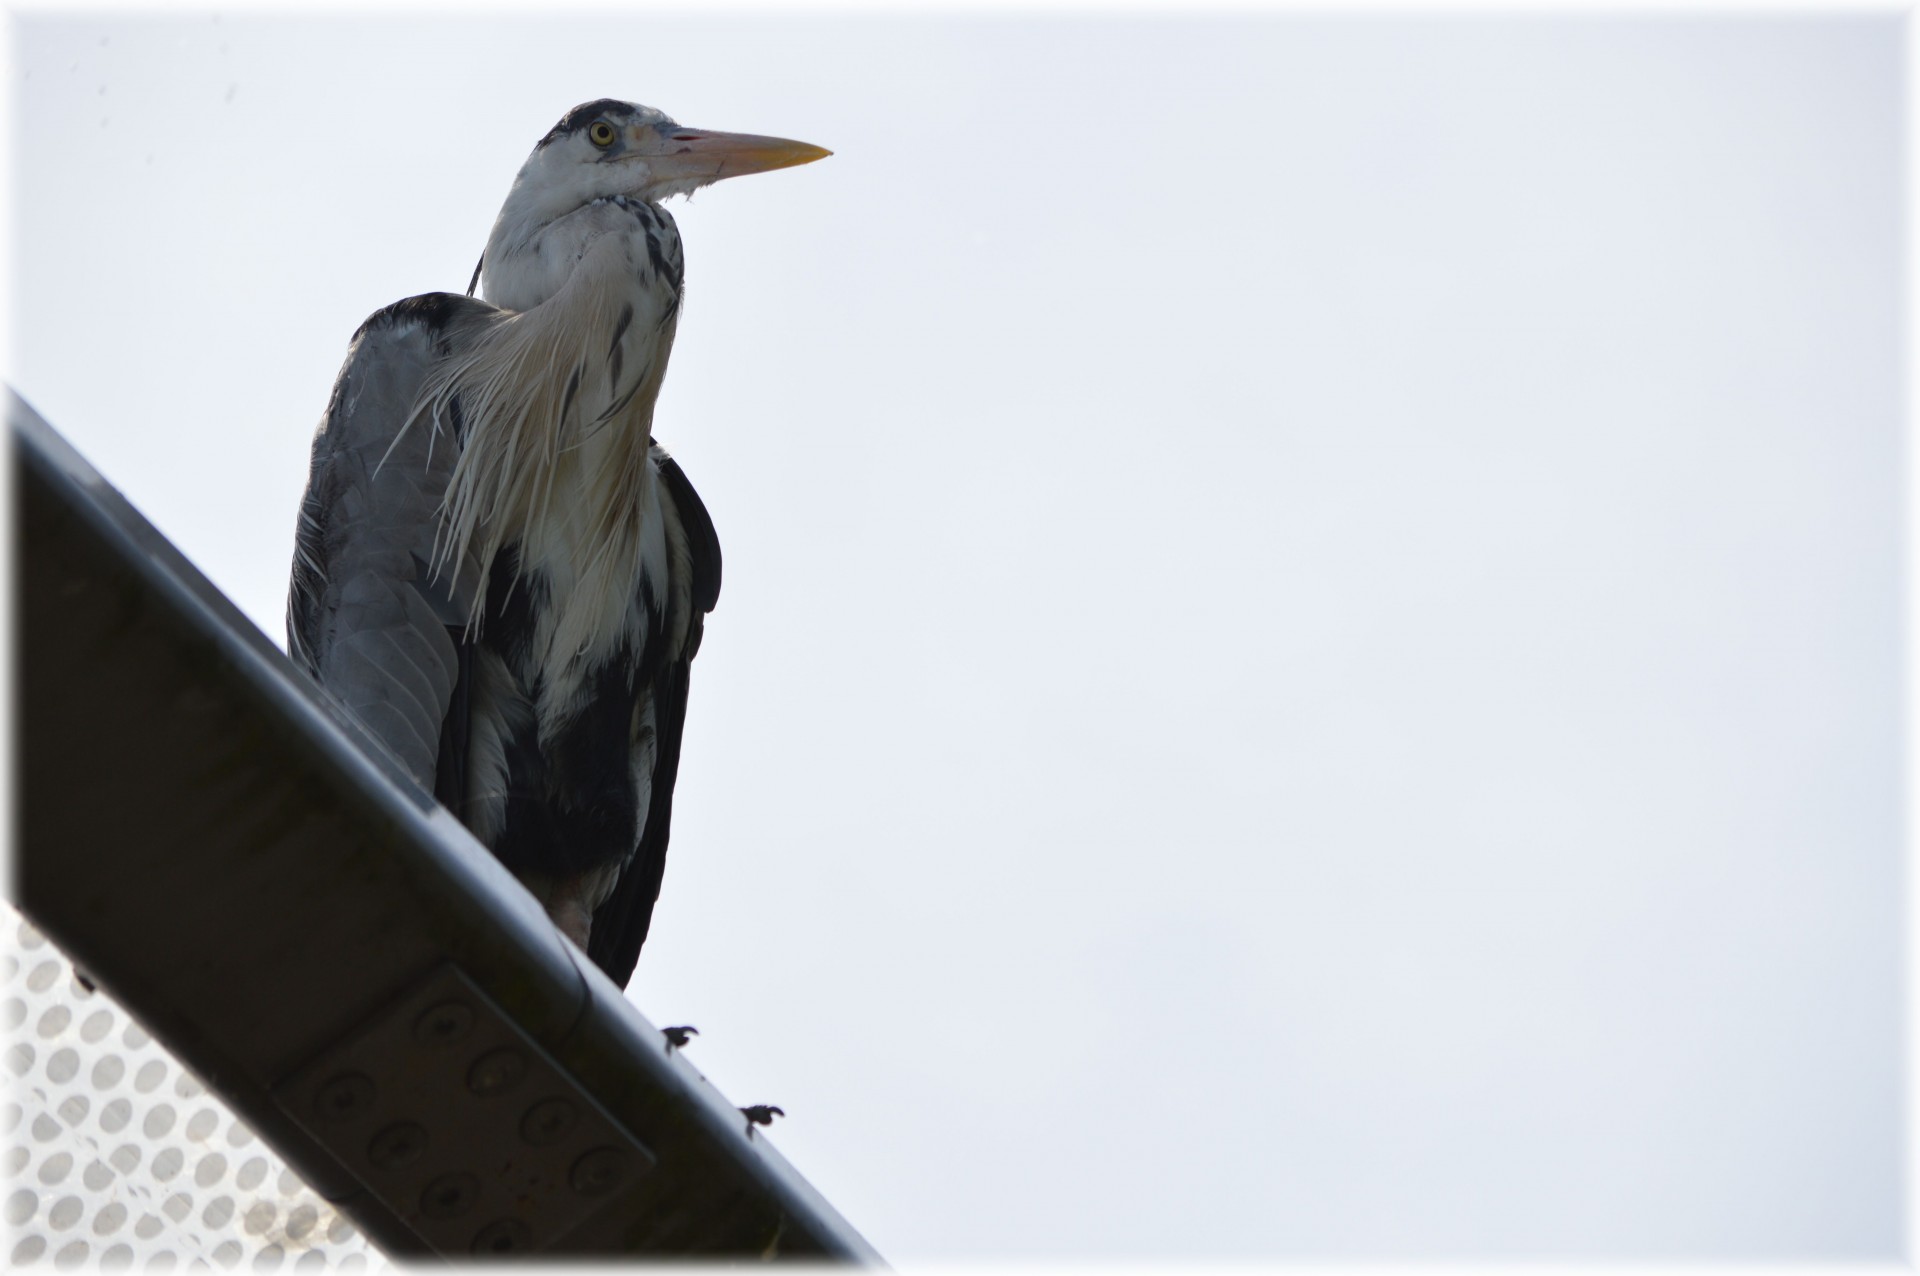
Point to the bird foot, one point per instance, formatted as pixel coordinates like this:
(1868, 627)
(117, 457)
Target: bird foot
(760, 1114)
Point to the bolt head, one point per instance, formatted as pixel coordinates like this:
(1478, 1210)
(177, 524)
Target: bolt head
(547, 1122)
(496, 1072)
(450, 1196)
(343, 1098)
(397, 1146)
(507, 1236)
(598, 1172)
(444, 1024)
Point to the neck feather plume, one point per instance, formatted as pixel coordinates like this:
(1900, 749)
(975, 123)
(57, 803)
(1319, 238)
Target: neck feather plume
(545, 403)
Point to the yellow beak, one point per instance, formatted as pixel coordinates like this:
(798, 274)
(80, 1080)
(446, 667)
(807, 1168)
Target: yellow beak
(677, 154)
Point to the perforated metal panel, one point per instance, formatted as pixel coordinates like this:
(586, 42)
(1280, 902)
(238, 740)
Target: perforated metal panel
(116, 1155)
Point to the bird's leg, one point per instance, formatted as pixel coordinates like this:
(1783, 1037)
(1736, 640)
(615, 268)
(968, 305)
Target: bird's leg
(572, 919)
(570, 902)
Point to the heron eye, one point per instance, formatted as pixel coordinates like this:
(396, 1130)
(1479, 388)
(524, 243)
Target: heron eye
(600, 134)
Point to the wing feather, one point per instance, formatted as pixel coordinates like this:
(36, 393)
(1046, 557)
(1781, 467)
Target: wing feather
(620, 925)
(366, 613)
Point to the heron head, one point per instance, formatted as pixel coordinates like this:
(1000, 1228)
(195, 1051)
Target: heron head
(607, 148)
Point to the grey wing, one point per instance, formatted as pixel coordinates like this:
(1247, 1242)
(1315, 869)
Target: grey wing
(367, 615)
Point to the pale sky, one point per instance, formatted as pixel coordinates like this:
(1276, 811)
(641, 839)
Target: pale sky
(1310, 656)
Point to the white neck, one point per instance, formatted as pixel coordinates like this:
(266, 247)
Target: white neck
(559, 390)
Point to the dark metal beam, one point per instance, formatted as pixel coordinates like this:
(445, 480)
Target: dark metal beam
(248, 873)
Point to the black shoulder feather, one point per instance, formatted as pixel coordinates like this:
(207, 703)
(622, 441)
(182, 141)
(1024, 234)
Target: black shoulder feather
(702, 541)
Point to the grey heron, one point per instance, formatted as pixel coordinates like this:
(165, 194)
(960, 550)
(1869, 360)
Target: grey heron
(497, 570)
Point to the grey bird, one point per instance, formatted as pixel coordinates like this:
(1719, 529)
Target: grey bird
(497, 571)
(677, 1037)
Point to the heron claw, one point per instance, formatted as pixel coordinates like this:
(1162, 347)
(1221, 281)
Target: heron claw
(760, 1114)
